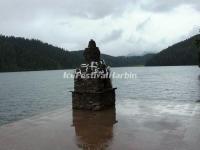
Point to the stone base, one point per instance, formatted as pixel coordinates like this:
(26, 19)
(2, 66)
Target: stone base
(93, 100)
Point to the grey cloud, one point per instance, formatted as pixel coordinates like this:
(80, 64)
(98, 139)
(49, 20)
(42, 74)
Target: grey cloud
(142, 25)
(92, 9)
(71, 23)
(167, 5)
(114, 35)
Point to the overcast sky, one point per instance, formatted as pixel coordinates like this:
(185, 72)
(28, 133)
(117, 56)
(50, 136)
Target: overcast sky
(119, 27)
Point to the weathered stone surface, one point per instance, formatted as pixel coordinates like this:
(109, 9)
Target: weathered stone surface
(92, 85)
(93, 101)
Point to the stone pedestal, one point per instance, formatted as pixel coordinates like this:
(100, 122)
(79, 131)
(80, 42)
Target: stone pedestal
(92, 93)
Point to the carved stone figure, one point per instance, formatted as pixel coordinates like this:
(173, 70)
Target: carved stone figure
(92, 53)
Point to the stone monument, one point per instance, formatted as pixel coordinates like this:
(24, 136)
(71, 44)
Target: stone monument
(92, 84)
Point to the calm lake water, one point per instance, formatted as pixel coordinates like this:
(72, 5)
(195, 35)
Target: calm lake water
(25, 94)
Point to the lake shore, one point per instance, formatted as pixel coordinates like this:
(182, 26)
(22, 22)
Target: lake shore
(143, 126)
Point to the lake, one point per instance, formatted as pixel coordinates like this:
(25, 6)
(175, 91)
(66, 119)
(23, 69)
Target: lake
(158, 110)
(25, 94)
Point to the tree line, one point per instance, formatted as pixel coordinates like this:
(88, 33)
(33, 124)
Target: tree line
(20, 54)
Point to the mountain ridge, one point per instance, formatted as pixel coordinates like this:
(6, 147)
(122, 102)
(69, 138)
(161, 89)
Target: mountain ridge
(20, 54)
(179, 54)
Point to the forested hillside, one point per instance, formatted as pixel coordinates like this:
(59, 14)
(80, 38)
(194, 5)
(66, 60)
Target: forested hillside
(183, 53)
(20, 54)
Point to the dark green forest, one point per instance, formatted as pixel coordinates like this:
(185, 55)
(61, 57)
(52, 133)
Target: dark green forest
(20, 54)
(183, 53)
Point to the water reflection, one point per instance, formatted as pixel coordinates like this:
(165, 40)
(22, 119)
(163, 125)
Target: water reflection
(94, 130)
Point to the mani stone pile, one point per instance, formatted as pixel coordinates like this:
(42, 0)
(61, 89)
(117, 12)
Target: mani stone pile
(92, 84)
